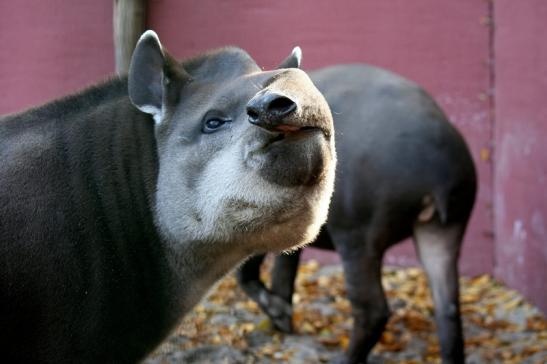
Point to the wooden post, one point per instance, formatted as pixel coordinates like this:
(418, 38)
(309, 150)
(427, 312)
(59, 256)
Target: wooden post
(129, 22)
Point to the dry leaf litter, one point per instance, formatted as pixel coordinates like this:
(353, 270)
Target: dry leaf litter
(228, 328)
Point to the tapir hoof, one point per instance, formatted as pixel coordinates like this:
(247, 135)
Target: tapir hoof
(339, 359)
(343, 359)
(279, 311)
(283, 324)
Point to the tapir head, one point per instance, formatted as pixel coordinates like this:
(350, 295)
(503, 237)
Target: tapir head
(245, 156)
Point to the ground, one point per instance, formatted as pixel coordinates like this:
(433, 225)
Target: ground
(228, 328)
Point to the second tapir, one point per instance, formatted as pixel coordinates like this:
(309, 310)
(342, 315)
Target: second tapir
(120, 206)
(403, 171)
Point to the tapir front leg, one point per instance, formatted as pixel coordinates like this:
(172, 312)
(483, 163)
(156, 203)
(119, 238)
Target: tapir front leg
(278, 308)
(362, 261)
(283, 279)
(284, 275)
(248, 276)
(438, 247)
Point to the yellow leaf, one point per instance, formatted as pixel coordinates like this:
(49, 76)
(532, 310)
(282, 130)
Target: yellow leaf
(344, 342)
(264, 325)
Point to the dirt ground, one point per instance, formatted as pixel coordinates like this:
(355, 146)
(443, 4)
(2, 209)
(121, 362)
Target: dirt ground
(228, 328)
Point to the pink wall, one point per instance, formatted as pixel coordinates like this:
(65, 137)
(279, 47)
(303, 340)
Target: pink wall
(50, 48)
(521, 148)
(54, 47)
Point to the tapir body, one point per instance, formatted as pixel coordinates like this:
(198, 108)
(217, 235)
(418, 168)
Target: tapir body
(121, 205)
(403, 171)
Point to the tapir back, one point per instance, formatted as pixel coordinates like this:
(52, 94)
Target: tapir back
(91, 150)
(394, 131)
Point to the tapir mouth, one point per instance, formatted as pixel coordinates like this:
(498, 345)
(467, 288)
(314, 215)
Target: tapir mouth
(282, 132)
(289, 128)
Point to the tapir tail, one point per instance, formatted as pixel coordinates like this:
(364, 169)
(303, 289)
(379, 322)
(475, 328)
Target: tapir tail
(432, 204)
(454, 204)
(441, 204)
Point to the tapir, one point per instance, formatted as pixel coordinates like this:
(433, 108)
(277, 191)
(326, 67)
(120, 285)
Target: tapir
(403, 171)
(122, 204)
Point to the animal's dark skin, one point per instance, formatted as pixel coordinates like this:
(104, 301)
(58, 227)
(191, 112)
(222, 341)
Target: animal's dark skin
(395, 147)
(88, 273)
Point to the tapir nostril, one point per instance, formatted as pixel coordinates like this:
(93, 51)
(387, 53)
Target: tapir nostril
(281, 106)
(253, 114)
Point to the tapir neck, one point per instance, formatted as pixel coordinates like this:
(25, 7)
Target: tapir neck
(92, 234)
(112, 163)
(114, 171)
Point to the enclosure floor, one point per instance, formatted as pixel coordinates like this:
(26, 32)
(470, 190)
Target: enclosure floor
(228, 328)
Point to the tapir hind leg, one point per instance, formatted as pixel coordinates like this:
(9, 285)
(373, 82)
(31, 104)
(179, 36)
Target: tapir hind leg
(438, 247)
(362, 255)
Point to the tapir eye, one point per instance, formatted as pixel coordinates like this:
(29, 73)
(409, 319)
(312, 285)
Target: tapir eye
(213, 124)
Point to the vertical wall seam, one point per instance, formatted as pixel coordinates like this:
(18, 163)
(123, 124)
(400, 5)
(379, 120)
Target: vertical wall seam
(493, 131)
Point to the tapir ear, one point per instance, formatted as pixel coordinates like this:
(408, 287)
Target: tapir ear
(294, 60)
(153, 74)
